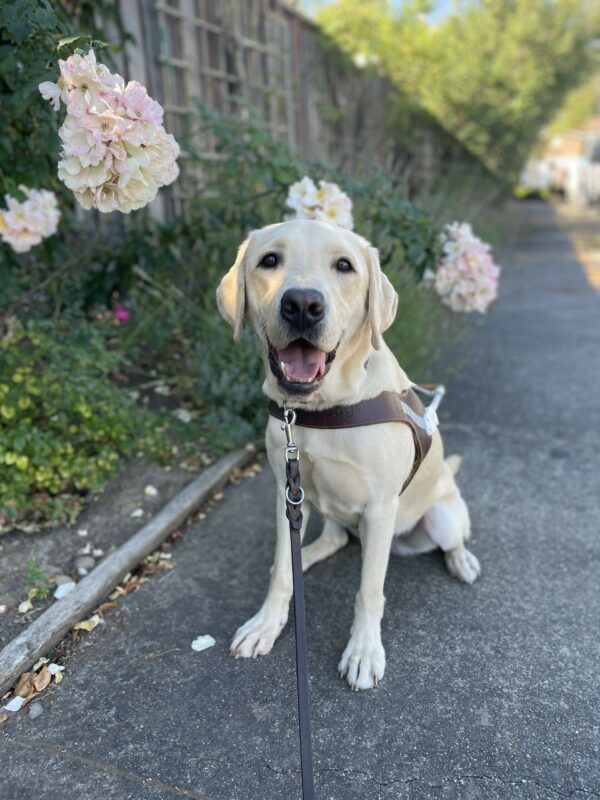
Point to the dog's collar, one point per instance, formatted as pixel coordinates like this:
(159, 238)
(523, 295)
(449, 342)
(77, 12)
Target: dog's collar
(405, 407)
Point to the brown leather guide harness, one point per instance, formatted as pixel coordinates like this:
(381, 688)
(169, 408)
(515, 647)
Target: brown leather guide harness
(405, 407)
(386, 407)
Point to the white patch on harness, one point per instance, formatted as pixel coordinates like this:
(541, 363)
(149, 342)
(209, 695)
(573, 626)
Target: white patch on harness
(428, 422)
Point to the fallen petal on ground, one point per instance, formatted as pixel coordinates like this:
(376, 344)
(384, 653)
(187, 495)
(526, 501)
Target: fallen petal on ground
(203, 643)
(64, 589)
(15, 704)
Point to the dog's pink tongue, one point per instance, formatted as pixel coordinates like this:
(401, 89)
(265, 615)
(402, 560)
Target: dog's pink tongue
(302, 363)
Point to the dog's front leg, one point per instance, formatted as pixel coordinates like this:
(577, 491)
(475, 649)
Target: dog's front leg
(363, 660)
(257, 636)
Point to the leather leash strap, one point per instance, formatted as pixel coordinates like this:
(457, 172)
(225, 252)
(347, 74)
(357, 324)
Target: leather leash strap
(294, 495)
(386, 407)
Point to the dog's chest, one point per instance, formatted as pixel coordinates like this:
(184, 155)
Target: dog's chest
(331, 488)
(338, 474)
(344, 471)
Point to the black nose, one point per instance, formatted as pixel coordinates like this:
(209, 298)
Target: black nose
(302, 308)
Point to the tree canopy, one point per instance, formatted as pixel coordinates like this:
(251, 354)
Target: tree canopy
(493, 72)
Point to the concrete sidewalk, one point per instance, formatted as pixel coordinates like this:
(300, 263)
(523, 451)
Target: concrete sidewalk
(491, 692)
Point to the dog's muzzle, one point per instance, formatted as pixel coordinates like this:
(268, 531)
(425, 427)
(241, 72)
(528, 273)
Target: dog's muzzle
(300, 366)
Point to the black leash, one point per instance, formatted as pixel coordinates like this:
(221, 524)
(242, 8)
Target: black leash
(294, 495)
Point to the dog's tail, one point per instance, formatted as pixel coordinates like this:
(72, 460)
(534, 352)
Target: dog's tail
(454, 463)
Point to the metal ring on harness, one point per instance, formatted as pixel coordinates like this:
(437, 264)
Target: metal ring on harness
(294, 502)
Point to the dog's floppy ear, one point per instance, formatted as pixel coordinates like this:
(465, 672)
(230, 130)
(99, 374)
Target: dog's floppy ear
(231, 293)
(382, 299)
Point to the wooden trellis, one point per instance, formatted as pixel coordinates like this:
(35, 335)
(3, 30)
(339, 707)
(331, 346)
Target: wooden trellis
(235, 56)
(261, 58)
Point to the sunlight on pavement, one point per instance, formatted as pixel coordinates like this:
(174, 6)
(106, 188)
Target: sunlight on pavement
(582, 225)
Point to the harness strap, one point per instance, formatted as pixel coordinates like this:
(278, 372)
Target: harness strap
(405, 407)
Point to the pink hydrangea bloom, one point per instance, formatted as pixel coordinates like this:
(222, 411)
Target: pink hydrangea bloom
(467, 276)
(115, 152)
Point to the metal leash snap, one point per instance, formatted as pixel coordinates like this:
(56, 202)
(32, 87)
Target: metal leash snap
(291, 450)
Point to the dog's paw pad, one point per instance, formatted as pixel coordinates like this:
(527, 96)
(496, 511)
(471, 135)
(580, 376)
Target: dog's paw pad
(463, 564)
(362, 665)
(256, 637)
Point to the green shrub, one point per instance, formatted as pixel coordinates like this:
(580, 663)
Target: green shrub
(64, 425)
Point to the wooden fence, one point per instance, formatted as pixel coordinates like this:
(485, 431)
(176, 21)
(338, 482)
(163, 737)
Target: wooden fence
(263, 57)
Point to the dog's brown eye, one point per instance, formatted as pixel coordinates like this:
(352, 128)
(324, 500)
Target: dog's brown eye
(269, 261)
(343, 265)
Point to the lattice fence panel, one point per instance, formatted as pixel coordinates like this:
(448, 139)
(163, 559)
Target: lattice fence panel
(263, 58)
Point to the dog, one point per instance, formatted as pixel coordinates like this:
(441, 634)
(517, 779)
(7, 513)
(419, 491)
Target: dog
(316, 298)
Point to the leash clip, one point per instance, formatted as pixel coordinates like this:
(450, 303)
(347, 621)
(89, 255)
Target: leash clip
(291, 450)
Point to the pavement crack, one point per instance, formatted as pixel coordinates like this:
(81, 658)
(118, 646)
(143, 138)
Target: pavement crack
(103, 767)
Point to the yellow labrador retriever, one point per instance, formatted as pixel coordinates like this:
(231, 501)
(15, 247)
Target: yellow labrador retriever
(319, 303)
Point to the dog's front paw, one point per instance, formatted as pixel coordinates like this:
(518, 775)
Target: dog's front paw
(363, 662)
(257, 636)
(463, 564)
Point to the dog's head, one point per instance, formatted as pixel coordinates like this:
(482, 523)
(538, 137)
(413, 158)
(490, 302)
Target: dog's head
(308, 289)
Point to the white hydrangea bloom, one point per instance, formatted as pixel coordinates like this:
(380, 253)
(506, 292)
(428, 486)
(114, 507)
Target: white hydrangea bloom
(467, 277)
(327, 203)
(302, 195)
(116, 153)
(25, 224)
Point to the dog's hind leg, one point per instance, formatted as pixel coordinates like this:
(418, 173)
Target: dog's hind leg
(447, 523)
(414, 542)
(332, 538)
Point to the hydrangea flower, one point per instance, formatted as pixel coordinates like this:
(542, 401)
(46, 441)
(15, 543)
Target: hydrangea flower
(328, 203)
(467, 276)
(115, 153)
(25, 224)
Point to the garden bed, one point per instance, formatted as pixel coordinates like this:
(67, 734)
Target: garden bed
(104, 525)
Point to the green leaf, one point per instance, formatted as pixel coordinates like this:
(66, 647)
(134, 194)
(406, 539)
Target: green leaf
(70, 40)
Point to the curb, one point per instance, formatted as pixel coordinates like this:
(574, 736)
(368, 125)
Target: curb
(50, 627)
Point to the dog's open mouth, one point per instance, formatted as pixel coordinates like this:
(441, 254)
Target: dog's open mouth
(300, 366)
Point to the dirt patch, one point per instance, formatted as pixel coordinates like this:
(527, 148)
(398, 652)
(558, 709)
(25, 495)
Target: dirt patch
(141, 489)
